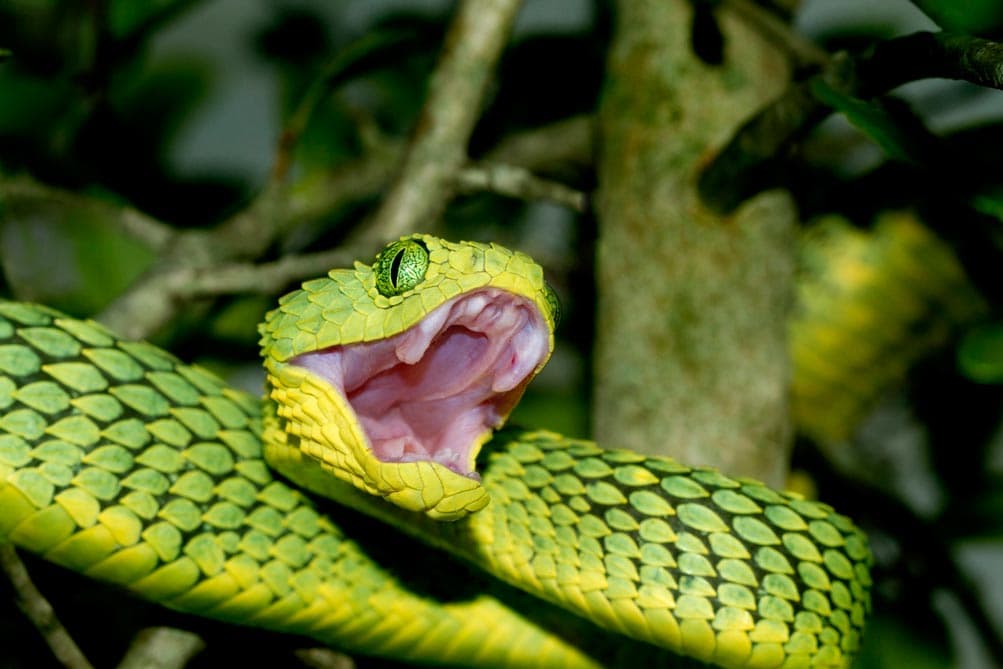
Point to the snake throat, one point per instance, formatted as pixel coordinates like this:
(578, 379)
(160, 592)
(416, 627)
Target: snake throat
(430, 393)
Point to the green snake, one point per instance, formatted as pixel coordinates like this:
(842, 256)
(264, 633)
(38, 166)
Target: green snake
(871, 303)
(385, 385)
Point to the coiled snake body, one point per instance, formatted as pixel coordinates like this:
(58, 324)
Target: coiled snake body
(120, 462)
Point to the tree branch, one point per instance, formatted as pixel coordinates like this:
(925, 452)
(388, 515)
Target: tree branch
(744, 166)
(264, 278)
(131, 221)
(199, 263)
(564, 142)
(518, 182)
(156, 297)
(268, 278)
(161, 648)
(457, 90)
(456, 95)
(801, 51)
(548, 145)
(324, 658)
(40, 612)
(926, 55)
(568, 141)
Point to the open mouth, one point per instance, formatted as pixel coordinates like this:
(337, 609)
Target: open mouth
(431, 392)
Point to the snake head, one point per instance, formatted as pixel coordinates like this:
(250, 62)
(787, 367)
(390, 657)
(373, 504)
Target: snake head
(391, 376)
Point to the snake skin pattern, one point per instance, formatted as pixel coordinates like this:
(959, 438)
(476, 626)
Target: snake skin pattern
(119, 462)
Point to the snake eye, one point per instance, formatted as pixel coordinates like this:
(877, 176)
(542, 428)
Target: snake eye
(401, 266)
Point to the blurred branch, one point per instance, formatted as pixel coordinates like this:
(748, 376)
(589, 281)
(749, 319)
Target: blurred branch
(199, 263)
(161, 648)
(925, 55)
(188, 283)
(323, 658)
(456, 95)
(558, 143)
(565, 141)
(131, 221)
(742, 167)
(457, 89)
(568, 141)
(209, 255)
(40, 612)
(264, 278)
(801, 51)
(518, 182)
(154, 299)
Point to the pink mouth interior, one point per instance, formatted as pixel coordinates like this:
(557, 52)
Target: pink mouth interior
(429, 392)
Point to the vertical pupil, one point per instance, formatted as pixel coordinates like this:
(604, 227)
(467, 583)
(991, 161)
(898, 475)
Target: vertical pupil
(395, 267)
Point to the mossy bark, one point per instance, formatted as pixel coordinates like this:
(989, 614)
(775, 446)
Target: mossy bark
(691, 358)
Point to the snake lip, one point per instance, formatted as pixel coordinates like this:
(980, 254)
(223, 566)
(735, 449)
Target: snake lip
(435, 391)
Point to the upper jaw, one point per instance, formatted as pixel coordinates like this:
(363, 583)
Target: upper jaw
(435, 391)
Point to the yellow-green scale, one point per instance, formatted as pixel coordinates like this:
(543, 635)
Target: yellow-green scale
(870, 304)
(121, 463)
(724, 570)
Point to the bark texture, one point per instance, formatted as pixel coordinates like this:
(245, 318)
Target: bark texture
(691, 358)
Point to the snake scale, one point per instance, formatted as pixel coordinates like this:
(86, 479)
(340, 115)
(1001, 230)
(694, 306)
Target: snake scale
(871, 304)
(122, 463)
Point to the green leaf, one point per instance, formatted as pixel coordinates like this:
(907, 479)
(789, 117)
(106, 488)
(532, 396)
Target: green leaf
(66, 252)
(975, 17)
(34, 108)
(238, 320)
(980, 355)
(873, 119)
(990, 202)
(126, 16)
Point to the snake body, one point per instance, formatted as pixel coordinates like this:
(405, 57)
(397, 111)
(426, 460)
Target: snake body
(120, 462)
(871, 303)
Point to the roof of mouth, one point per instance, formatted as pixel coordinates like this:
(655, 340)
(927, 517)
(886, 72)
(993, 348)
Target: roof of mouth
(431, 392)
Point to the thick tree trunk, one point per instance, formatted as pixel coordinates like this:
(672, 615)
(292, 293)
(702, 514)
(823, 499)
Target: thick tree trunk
(691, 359)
